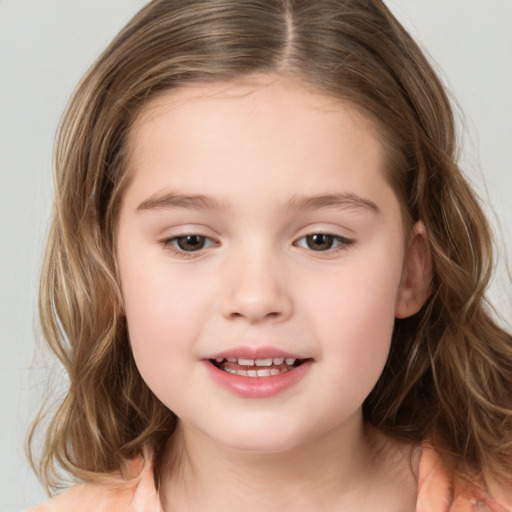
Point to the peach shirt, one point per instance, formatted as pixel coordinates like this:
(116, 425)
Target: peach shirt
(438, 491)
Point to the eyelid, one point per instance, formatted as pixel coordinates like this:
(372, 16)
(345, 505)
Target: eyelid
(168, 244)
(343, 242)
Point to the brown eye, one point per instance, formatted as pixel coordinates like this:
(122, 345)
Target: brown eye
(190, 243)
(323, 242)
(320, 242)
(187, 245)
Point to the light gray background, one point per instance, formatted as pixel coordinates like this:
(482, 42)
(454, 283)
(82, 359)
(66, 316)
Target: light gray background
(46, 45)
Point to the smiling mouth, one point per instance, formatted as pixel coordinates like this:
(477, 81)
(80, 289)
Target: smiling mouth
(257, 367)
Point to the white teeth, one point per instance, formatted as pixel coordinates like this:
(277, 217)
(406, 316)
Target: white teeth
(276, 361)
(263, 362)
(256, 373)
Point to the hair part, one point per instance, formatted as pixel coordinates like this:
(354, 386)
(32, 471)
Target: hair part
(449, 372)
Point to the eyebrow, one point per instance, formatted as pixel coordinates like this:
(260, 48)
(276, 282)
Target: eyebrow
(347, 200)
(172, 200)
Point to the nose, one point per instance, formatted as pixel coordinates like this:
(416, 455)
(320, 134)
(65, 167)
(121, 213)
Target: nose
(256, 291)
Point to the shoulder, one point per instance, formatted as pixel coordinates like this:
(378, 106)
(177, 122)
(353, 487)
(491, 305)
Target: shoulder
(136, 495)
(440, 489)
(87, 497)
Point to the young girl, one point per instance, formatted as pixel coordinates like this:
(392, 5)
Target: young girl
(265, 274)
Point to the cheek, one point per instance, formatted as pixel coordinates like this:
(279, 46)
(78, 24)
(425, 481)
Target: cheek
(164, 313)
(354, 312)
(164, 322)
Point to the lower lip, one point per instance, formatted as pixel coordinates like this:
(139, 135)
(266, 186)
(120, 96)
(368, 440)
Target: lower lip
(258, 387)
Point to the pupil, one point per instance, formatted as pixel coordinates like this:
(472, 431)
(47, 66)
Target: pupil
(320, 242)
(191, 242)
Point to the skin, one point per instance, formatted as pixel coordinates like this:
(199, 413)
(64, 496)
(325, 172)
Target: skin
(257, 151)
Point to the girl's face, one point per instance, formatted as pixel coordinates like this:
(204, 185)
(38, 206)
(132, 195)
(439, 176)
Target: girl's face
(261, 255)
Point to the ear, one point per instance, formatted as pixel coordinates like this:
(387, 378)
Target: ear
(414, 287)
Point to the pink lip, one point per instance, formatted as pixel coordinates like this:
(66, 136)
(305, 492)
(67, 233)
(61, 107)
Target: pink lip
(257, 387)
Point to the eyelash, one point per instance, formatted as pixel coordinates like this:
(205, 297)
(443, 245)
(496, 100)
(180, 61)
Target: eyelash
(172, 244)
(343, 242)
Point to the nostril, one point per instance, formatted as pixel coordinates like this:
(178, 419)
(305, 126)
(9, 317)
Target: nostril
(254, 315)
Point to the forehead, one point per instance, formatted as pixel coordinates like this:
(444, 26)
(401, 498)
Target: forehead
(254, 97)
(270, 130)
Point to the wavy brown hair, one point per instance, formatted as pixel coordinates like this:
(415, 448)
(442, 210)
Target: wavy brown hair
(449, 373)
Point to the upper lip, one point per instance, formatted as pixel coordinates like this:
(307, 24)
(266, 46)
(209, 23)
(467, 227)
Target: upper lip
(247, 352)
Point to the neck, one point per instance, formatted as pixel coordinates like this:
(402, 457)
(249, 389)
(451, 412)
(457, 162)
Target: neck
(336, 470)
